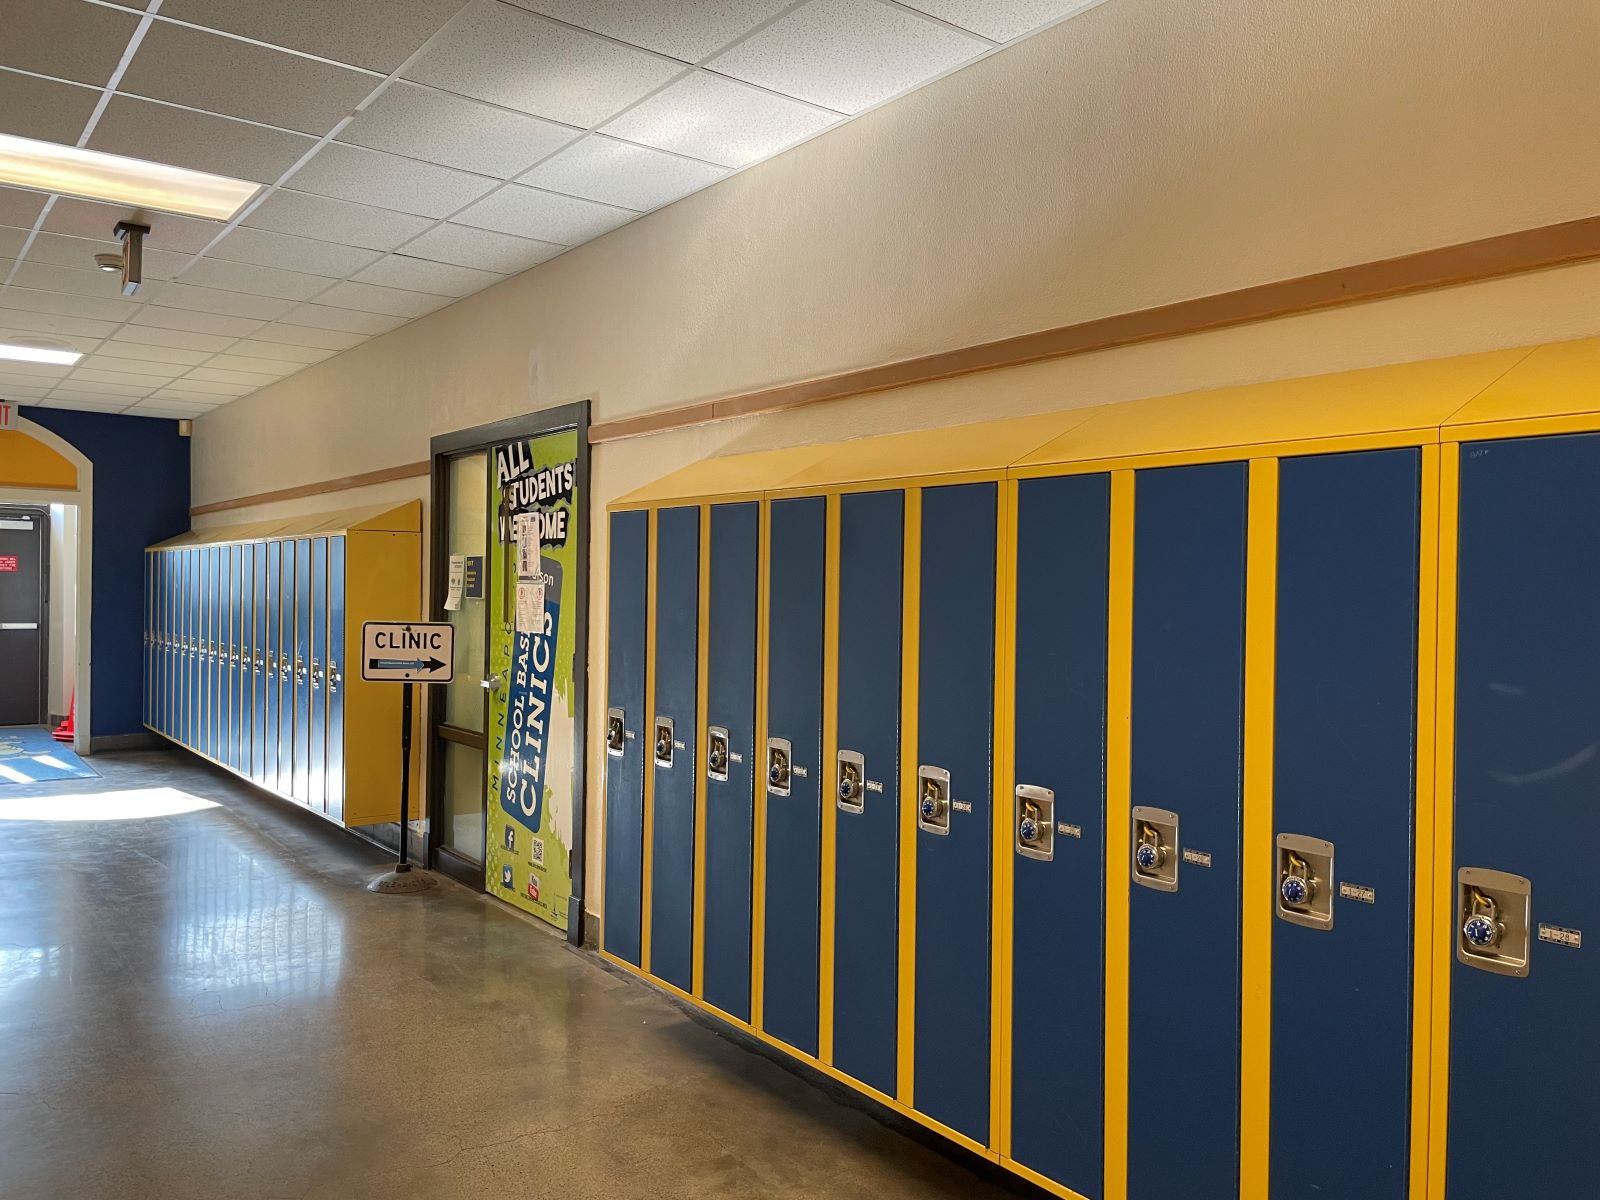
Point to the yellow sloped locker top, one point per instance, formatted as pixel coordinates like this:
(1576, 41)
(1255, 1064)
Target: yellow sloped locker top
(390, 518)
(727, 475)
(1558, 380)
(1409, 401)
(987, 446)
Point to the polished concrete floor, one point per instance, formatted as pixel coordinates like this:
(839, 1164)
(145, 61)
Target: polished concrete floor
(206, 1004)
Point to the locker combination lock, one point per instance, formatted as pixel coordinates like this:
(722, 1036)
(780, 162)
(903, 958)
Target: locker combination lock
(717, 753)
(663, 744)
(852, 781)
(933, 800)
(1155, 840)
(614, 733)
(1035, 822)
(778, 766)
(1305, 881)
(1495, 921)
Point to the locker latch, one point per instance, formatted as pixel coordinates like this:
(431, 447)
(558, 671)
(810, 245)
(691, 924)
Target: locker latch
(1155, 839)
(299, 669)
(663, 741)
(1305, 881)
(717, 753)
(316, 674)
(615, 733)
(933, 800)
(334, 677)
(1495, 921)
(852, 781)
(779, 766)
(1035, 822)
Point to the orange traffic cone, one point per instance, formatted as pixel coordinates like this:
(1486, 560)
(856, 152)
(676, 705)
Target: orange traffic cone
(65, 732)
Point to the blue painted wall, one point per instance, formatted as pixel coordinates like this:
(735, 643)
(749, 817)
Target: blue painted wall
(141, 496)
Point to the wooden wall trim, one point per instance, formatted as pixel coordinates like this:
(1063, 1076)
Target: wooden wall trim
(1446, 266)
(366, 479)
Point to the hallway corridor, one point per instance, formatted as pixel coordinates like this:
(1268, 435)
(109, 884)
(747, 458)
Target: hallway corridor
(199, 1001)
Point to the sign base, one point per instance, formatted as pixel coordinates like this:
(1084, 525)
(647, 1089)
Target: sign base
(402, 881)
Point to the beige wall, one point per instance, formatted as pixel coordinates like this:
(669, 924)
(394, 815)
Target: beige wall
(1144, 152)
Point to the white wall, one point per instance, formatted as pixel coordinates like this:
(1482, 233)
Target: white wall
(63, 605)
(1147, 151)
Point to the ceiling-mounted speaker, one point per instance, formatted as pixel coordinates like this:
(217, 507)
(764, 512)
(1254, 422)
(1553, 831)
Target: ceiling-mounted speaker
(131, 235)
(185, 427)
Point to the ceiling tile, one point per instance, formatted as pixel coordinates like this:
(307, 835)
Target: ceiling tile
(95, 308)
(267, 249)
(94, 387)
(512, 58)
(257, 281)
(319, 316)
(273, 368)
(11, 243)
(50, 278)
(688, 30)
(194, 399)
(168, 409)
(133, 366)
(376, 34)
(1001, 20)
(19, 208)
(208, 388)
(144, 129)
(420, 275)
(719, 120)
(292, 356)
(389, 181)
(85, 402)
(138, 384)
(526, 212)
(91, 219)
(209, 300)
(43, 339)
(15, 391)
(604, 169)
(186, 321)
(34, 370)
(847, 55)
(52, 324)
(126, 353)
(204, 70)
(424, 123)
(367, 298)
(481, 248)
(176, 339)
(54, 249)
(45, 109)
(302, 335)
(66, 38)
(330, 220)
(240, 378)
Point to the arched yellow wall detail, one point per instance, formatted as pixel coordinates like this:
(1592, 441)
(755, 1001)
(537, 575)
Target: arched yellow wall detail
(29, 463)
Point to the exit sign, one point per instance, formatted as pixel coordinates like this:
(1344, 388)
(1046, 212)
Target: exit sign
(8, 414)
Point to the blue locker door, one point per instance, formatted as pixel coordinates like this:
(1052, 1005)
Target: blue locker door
(730, 781)
(216, 664)
(1188, 695)
(194, 603)
(867, 821)
(677, 657)
(627, 734)
(334, 773)
(258, 663)
(237, 663)
(317, 794)
(272, 705)
(1058, 934)
(205, 646)
(1343, 759)
(794, 826)
(230, 669)
(145, 705)
(247, 649)
(955, 706)
(1523, 1054)
(185, 609)
(302, 671)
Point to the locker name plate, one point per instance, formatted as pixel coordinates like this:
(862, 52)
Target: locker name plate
(1560, 936)
(408, 651)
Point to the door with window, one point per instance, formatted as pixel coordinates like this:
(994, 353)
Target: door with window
(24, 628)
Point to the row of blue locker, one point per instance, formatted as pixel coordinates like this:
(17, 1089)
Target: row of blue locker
(1061, 970)
(244, 661)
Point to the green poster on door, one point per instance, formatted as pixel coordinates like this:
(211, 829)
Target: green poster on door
(533, 600)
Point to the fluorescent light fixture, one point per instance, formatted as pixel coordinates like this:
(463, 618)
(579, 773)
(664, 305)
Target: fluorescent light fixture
(47, 167)
(39, 354)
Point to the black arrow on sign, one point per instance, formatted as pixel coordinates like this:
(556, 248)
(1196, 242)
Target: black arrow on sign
(404, 664)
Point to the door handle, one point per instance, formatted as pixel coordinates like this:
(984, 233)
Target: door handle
(491, 683)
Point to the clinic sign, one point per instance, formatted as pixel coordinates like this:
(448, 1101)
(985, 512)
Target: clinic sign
(407, 652)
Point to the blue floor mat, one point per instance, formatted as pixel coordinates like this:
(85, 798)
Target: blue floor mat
(28, 754)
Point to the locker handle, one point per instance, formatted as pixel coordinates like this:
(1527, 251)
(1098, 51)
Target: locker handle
(316, 674)
(334, 677)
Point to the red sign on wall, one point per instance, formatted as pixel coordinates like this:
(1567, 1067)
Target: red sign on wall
(8, 562)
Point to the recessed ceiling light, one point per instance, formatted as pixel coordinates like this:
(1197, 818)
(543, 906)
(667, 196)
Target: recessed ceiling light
(47, 167)
(39, 354)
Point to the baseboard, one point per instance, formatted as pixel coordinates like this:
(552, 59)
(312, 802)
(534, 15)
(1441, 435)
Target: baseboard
(125, 741)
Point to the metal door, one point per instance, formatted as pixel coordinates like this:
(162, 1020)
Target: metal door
(24, 615)
(1187, 728)
(317, 791)
(272, 704)
(864, 802)
(334, 773)
(627, 732)
(731, 758)
(1058, 830)
(301, 783)
(674, 738)
(955, 719)
(793, 772)
(1523, 1057)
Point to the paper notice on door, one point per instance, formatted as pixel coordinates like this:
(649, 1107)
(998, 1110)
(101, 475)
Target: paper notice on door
(530, 607)
(455, 582)
(528, 529)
